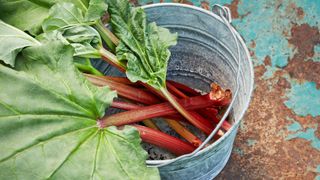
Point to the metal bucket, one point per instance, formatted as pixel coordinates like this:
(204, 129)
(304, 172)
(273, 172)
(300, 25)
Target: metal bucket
(206, 52)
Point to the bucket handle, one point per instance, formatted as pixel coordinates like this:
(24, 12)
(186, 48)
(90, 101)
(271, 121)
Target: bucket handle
(225, 15)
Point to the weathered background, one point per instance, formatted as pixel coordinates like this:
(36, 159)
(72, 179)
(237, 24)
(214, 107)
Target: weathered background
(279, 137)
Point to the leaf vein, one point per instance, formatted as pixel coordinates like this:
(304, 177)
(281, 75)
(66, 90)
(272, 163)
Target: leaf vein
(16, 153)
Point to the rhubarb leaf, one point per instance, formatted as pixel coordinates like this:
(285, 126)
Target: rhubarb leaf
(48, 127)
(61, 15)
(24, 14)
(145, 47)
(66, 14)
(67, 22)
(85, 39)
(13, 41)
(28, 15)
(95, 10)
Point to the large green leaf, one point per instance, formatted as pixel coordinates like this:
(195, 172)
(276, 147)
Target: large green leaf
(24, 14)
(144, 46)
(28, 15)
(95, 10)
(48, 123)
(13, 41)
(85, 39)
(67, 22)
(66, 14)
(61, 15)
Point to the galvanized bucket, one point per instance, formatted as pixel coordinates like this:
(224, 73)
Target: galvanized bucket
(209, 50)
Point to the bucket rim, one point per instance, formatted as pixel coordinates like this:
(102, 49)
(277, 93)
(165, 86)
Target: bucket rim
(246, 105)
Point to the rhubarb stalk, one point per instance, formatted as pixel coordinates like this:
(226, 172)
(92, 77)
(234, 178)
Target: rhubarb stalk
(149, 123)
(179, 128)
(109, 38)
(209, 113)
(145, 98)
(195, 120)
(125, 91)
(165, 141)
(183, 88)
(163, 109)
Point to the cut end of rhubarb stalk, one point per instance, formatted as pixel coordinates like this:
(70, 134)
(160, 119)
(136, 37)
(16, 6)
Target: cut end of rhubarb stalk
(196, 143)
(101, 124)
(216, 92)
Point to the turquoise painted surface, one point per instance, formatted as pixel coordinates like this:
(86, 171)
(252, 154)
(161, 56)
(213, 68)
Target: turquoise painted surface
(316, 57)
(295, 126)
(238, 151)
(312, 15)
(296, 131)
(251, 142)
(269, 73)
(318, 171)
(261, 25)
(304, 98)
(308, 135)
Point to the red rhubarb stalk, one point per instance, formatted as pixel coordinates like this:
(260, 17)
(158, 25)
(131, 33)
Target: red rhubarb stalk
(163, 92)
(165, 141)
(126, 91)
(180, 94)
(130, 106)
(145, 98)
(183, 88)
(179, 128)
(194, 120)
(209, 113)
(112, 59)
(121, 80)
(163, 109)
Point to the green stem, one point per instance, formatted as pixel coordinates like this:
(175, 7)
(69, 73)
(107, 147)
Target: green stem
(109, 38)
(112, 59)
(88, 69)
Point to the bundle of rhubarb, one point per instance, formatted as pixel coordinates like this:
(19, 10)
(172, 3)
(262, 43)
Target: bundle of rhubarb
(53, 101)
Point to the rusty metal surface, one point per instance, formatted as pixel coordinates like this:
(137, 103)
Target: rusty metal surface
(280, 135)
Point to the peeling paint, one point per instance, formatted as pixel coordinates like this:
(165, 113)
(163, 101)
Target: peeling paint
(269, 73)
(238, 151)
(297, 132)
(295, 126)
(308, 135)
(251, 142)
(312, 11)
(304, 99)
(318, 171)
(316, 57)
(307, 34)
(234, 8)
(267, 26)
